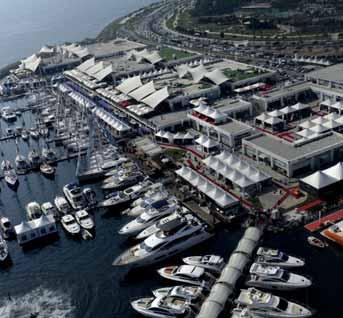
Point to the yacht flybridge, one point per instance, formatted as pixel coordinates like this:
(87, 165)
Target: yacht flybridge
(213, 263)
(168, 241)
(269, 256)
(274, 277)
(74, 195)
(267, 305)
(191, 293)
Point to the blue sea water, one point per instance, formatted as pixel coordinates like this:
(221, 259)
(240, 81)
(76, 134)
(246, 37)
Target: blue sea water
(27, 25)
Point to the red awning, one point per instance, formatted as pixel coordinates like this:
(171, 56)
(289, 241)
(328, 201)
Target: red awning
(309, 205)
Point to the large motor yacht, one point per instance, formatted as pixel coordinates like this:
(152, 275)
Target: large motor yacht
(148, 217)
(274, 277)
(213, 263)
(193, 294)
(188, 274)
(163, 307)
(74, 195)
(269, 256)
(168, 241)
(268, 305)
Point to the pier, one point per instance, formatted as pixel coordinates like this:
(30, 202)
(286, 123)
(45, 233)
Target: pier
(333, 217)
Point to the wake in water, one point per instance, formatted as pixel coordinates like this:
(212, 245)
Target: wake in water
(39, 303)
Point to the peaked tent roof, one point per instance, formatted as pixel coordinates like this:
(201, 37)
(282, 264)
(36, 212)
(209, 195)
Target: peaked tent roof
(157, 97)
(335, 171)
(143, 91)
(86, 65)
(129, 85)
(319, 180)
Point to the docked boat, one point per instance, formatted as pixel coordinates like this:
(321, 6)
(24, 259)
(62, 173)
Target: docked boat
(174, 219)
(3, 250)
(90, 197)
(242, 312)
(34, 159)
(269, 256)
(62, 205)
(213, 263)
(170, 240)
(21, 164)
(83, 218)
(6, 227)
(48, 209)
(267, 305)
(70, 225)
(47, 170)
(33, 210)
(191, 293)
(34, 133)
(148, 217)
(315, 242)
(188, 274)
(334, 233)
(274, 277)
(25, 135)
(9, 174)
(155, 192)
(74, 195)
(163, 307)
(44, 132)
(8, 114)
(122, 182)
(154, 202)
(49, 155)
(122, 198)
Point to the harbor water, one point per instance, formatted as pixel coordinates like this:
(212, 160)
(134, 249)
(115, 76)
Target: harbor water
(75, 278)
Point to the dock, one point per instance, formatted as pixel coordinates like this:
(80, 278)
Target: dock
(316, 225)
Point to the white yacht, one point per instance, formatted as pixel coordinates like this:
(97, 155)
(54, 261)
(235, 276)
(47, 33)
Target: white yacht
(170, 240)
(153, 202)
(274, 277)
(34, 159)
(213, 263)
(269, 256)
(243, 312)
(70, 225)
(33, 210)
(147, 218)
(191, 293)
(267, 305)
(83, 218)
(62, 205)
(8, 114)
(6, 227)
(48, 209)
(155, 192)
(21, 164)
(34, 133)
(179, 216)
(49, 155)
(25, 135)
(90, 197)
(122, 198)
(122, 182)
(73, 194)
(163, 307)
(189, 274)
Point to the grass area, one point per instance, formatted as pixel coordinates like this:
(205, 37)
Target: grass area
(238, 75)
(175, 154)
(109, 32)
(169, 54)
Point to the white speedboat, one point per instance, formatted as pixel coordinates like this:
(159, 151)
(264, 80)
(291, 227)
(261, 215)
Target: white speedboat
(242, 312)
(34, 159)
(90, 197)
(213, 263)
(70, 225)
(8, 114)
(74, 195)
(122, 182)
(62, 205)
(33, 210)
(6, 227)
(148, 218)
(314, 241)
(83, 218)
(9, 174)
(269, 256)
(188, 274)
(274, 277)
(163, 307)
(191, 293)
(34, 133)
(3, 250)
(48, 209)
(49, 155)
(21, 164)
(170, 240)
(267, 305)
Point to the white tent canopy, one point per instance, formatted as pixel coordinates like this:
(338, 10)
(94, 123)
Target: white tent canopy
(130, 85)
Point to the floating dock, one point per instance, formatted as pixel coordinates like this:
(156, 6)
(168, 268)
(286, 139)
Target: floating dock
(316, 225)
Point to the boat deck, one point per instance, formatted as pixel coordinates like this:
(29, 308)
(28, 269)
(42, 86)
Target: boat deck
(333, 217)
